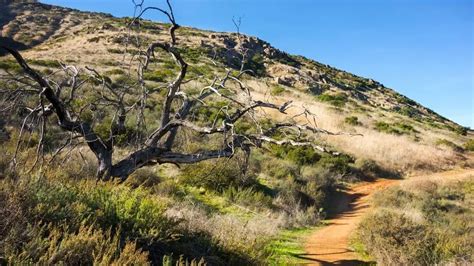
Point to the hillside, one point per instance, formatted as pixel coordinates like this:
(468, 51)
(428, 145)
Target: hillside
(233, 211)
(342, 101)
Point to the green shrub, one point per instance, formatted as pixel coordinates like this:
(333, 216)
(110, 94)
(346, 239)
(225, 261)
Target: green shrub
(64, 221)
(256, 64)
(10, 65)
(211, 112)
(336, 164)
(247, 197)
(216, 175)
(352, 120)
(301, 155)
(277, 90)
(409, 111)
(160, 75)
(46, 63)
(387, 128)
(369, 168)
(395, 128)
(469, 145)
(279, 169)
(338, 100)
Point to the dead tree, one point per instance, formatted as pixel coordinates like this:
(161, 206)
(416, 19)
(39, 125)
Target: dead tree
(159, 146)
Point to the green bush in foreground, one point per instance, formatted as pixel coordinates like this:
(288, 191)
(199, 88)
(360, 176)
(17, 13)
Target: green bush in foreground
(78, 222)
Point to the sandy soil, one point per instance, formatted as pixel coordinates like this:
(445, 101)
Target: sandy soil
(330, 244)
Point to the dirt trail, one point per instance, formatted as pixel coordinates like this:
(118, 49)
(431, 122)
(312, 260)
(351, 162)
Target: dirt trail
(330, 244)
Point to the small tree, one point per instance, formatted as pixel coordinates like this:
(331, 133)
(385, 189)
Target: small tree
(101, 121)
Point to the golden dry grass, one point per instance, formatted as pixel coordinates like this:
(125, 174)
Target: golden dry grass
(396, 152)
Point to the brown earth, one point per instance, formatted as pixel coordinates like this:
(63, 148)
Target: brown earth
(330, 244)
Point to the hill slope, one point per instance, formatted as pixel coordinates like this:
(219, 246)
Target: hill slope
(398, 132)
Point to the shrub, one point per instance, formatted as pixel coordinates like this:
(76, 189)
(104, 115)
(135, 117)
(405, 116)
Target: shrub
(216, 176)
(242, 239)
(46, 245)
(338, 100)
(279, 169)
(68, 222)
(301, 155)
(160, 75)
(423, 222)
(277, 90)
(369, 168)
(409, 111)
(387, 128)
(395, 239)
(352, 120)
(10, 65)
(256, 64)
(247, 197)
(469, 145)
(143, 177)
(335, 164)
(46, 63)
(395, 128)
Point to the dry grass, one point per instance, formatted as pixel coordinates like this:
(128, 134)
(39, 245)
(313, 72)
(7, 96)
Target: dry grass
(399, 153)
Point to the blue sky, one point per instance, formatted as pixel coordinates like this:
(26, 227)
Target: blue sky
(421, 48)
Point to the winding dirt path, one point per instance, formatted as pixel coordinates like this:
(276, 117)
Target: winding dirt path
(330, 244)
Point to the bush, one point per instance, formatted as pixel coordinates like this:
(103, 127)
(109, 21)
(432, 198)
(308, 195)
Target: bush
(301, 155)
(469, 145)
(146, 177)
(387, 128)
(243, 239)
(338, 100)
(47, 245)
(395, 128)
(46, 63)
(409, 111)
(160, 75)
(247, 197)
(369, 168)
(279, 169)
(50, 221)
(395, 239)
(423, 223)
(336, 164)
(352, 120)
(277, 90)
(10, 65)
(216, 175)
(256, 64)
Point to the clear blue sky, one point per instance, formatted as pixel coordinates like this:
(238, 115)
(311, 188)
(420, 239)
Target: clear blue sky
(421, 48)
